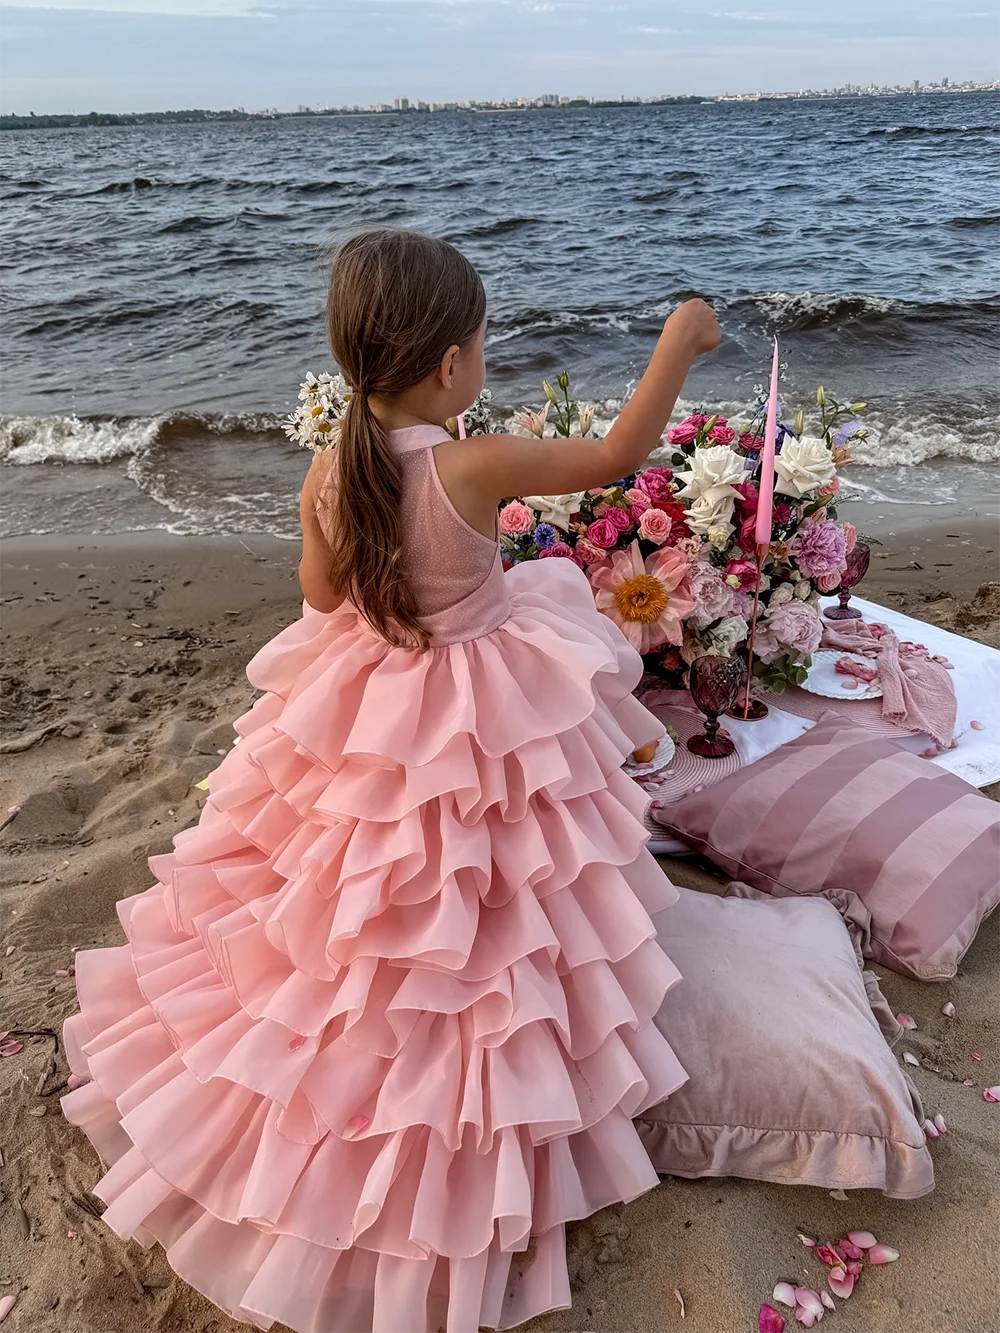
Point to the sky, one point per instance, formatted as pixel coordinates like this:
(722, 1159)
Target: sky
(147, 55)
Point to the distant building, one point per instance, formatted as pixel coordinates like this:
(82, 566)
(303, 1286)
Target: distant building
(549, 99)
(916, 85)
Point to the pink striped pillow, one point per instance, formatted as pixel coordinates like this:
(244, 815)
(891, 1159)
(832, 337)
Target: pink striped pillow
(838, 809)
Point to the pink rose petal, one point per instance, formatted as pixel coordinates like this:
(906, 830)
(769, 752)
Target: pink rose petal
(882, 1254)
(680, 1301)
(989, 1094)
(807, 1241)
(840, 1282)
(806, 1317)
(931, 1130)
(828, 1300)
(940, 1124)
(974, 1055)
(855, 1268)
(855, 1249)
(809, 1300)
(828, 1255)
(906, 1021)
(769, 1321)
(977, 726)
(7, 1304)
(784, 1294)
(969, 1083)
(11, 1047)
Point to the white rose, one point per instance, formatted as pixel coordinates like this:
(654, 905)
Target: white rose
(802, 466)
(712, 475)
(555, 509)
(709, 512)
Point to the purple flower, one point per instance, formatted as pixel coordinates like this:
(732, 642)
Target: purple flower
(545, 536)
(793, 627)
(844, 433)
(713, 596)
(819, 548)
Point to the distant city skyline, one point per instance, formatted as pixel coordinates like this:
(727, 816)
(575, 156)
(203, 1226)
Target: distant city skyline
(75, 56)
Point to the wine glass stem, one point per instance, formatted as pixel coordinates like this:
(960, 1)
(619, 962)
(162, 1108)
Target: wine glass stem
(711, 725)
(844, 597)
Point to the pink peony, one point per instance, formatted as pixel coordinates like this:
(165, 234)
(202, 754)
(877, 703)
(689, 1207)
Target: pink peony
(851, 537)
(591, 554)
(792, 627)
(721, 433)
(603, 533)
(516, 519)
(648, 600)
(712, 596)
(654, 526)
(655, 481)
(638, 502)
(745, 571)
(819, 548)
(620, 518)
(561, 550)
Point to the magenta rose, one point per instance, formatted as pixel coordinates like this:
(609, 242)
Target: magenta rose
(619, 518)
(516, 519)
(748, 496)
(603, 533)
(819, 548)
(685, 433)
(655, 481)
(589, 553)
(721, 433)
(654, 526)
(748, 533)
(561, 551)
(750, 443)
(638, 502)
(745, 571)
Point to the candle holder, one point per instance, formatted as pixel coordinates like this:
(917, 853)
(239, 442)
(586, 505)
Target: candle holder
(714, 683)
(746, 709)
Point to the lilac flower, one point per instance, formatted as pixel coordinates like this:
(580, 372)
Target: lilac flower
(845, 432)
(796, 626)
(545, 536)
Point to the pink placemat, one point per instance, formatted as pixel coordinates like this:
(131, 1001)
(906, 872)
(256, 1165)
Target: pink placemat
(866, 713)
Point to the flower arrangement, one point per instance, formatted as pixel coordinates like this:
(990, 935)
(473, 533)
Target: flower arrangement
(670, 550)
(315, 423)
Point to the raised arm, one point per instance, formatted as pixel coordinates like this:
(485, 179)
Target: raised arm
(505, 465)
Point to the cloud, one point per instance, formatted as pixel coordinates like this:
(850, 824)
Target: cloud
(171, 8)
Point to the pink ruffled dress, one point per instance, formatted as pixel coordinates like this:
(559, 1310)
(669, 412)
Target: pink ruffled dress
(381, 1026)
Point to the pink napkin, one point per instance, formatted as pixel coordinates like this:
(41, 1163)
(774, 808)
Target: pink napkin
(917, 693)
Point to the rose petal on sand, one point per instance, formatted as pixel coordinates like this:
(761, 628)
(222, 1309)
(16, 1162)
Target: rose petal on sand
(839, 1195)
(974, 1055)
(989, 1094)
(680, 1301)
(840, 1282)
(931, 1130)
(828, 1255)
(939, 1124)
(784, 1294)
(968, 1082)
(948, 1010)
(978, 726)
(806, 1317)
(855, 1268)
(809, 1300)
(769, 1321)
(807, 1241)
(882, 1254)
(910, 1059)
(828, 1300)
(11, 1047)
(906, 1021)
(7, 1304)
(855, 1249)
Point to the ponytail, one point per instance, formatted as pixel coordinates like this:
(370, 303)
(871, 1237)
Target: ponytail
(398, 300)
(367, 528)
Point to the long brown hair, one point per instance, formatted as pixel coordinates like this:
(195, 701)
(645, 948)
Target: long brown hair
(398, 300)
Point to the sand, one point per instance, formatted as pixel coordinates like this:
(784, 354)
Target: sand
(123, 669)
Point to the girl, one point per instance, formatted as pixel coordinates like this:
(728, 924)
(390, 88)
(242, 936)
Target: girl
(381, 1027)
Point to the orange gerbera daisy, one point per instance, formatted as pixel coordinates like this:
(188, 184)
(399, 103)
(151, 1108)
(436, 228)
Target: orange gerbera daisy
(647, 600)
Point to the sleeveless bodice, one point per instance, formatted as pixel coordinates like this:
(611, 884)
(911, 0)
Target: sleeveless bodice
(454, 571)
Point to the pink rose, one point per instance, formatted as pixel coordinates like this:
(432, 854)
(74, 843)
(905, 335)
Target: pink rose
(743, 570)
(830, 488)
(748, 533)
(750, 443)
(655, 481)
(748, 496)
(683, 434)
(620, 518)
(561, 550)
(851, 537)
(792, 627)
(654, 526)
(828, 582)
(516, 519)
(638, 502)
(721, 433)
(603, 534)
(589, 553)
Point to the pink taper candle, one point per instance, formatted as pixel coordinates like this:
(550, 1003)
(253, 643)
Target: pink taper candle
(762, 532)
(461, 425)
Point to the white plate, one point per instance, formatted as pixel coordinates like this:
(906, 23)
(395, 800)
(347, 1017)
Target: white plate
(824, 679)
(663, 756)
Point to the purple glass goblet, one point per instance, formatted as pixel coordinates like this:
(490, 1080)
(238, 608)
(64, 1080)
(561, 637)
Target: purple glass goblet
(858, 561)
(714, 682)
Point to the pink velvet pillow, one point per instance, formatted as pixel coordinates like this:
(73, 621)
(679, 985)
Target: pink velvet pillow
(839, 810)
(790, 1078)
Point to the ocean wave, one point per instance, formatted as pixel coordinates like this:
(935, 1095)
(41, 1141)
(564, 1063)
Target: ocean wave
(927, 131)
(795, 311)
(74, 439)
